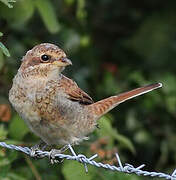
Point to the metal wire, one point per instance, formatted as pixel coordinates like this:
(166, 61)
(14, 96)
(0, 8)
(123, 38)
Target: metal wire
(127, 168)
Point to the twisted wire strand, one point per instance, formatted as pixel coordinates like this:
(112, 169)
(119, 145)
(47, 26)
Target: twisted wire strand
(127, 168)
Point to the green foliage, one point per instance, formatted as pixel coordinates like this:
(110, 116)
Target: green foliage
(108, 131)
(3, 133)
(7, 3)
(114, 46)
(17, 128)
(157, 32)
(48, 15)
(81, 13)
(4, 50)
(112, 175)
(18, 15)
(74, 170)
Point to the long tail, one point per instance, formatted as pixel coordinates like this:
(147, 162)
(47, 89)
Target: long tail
(102, 107)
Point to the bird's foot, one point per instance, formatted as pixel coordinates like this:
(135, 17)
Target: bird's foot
(52, 156)
(38, 147)
(34, 151)
(54, 152)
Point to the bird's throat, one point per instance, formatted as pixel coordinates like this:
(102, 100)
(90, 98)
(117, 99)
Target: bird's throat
(42, 73)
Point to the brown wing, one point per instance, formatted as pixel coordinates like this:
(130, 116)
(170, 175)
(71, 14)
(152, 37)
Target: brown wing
(74, 92)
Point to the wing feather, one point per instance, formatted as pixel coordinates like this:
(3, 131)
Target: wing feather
(74, 92)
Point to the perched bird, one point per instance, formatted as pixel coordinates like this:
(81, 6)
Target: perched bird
(52, 105)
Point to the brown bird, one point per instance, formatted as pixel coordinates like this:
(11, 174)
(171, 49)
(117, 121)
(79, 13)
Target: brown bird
(52, 105)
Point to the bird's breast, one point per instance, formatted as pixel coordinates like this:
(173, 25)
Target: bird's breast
(48, 112)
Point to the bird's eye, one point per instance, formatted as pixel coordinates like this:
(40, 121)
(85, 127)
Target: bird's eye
(45, 58)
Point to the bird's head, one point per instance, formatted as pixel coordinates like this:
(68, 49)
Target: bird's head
(45, 58)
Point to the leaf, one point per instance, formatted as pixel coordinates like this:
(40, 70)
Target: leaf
(142, 136)
(12, 155)
(7, 3)
(118, 176)
(3, 133)
(1, 60)
(4, 50)
(108, 130)
(22, 11)
(69, 2)
(4, 162)
(171, 103)
(169, 89)
(18, 128)
(48, 15)
(1, 34)
(169, 86)
(73, 171)
(85, 40)
(15, 176)
(81, 12)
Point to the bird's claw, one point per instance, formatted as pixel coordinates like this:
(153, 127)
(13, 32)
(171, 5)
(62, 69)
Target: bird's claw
(36, 148)
(34, 152)
(52, 156)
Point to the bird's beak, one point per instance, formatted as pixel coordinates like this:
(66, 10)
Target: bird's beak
(62, 62)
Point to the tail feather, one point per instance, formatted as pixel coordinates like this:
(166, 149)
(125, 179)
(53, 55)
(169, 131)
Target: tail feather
(101, 107)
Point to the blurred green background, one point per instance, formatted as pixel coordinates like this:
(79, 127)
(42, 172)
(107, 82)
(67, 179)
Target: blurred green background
(115, 45)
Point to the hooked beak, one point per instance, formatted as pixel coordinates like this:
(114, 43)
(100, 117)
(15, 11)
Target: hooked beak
(62, 62)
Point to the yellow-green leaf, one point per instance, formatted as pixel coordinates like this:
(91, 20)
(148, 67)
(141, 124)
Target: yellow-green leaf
(106, 129)
(3, 133)
(4, 50)
(22, 11)
(73, 171)
(48, 15)
(17, 128)
(7, 3)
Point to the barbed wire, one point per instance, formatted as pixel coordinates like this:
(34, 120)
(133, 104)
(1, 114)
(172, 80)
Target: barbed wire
(127, 168)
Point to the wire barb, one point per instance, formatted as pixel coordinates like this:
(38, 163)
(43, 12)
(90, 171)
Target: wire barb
(127, 168)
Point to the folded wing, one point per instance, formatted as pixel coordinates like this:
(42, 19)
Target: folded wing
(74, 92)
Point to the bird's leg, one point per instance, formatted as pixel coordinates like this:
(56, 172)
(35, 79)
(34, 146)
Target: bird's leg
(64, 148)
(39, 146)
(53, 153)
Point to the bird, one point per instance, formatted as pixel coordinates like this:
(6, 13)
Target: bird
(52, 105)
